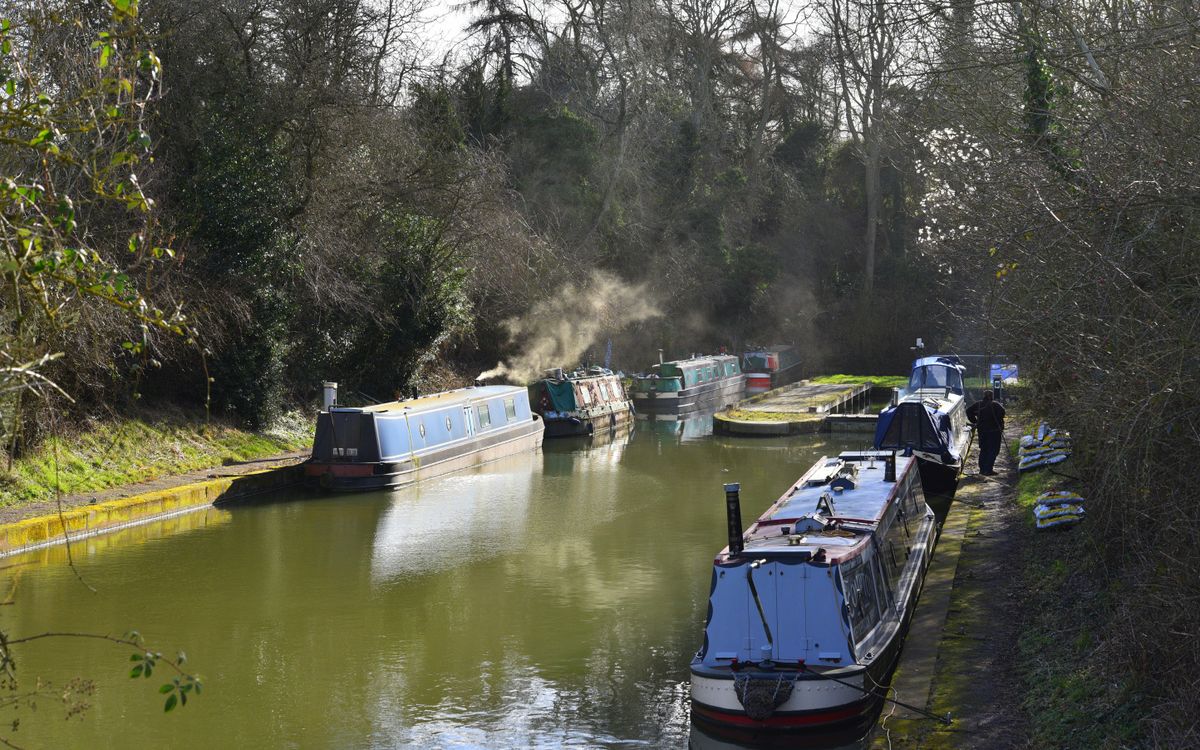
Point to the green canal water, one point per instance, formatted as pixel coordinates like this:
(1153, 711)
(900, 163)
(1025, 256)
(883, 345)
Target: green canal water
(547, 600)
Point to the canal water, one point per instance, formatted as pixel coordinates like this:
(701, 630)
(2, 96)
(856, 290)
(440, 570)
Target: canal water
(547, 600)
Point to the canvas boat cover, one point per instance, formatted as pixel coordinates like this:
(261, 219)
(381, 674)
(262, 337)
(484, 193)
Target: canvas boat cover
(562, 394)
(917, 425)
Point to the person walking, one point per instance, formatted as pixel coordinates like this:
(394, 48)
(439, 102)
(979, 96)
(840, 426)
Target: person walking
(988, 417)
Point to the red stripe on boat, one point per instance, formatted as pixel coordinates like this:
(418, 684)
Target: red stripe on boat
(783, 721)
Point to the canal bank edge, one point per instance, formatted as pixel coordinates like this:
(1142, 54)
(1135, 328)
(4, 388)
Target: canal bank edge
(808, 414)
(85, 521)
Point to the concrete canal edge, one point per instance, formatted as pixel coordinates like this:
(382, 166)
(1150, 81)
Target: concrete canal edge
(85, 521)
(913, 681)
(798, 408)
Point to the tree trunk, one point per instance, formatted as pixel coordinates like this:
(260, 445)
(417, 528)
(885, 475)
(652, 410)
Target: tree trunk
(871, 190)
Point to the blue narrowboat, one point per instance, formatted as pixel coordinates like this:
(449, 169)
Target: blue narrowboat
(929, 421)
(400, 442)
(809, 607)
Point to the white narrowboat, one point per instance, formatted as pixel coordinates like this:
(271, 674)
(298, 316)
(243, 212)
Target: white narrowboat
(809, 607)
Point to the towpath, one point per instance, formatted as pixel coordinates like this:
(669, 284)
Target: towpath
(960, 656)
(50, 506)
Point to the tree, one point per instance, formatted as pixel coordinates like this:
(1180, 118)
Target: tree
(76, 229)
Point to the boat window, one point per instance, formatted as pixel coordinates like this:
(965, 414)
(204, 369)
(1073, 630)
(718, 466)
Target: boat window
(421, 429)
(603, 391)
(587, 396)
(862, 599)
(510, 409)
(936, 376)
(449, 425)
(484, 416)
(883, 584)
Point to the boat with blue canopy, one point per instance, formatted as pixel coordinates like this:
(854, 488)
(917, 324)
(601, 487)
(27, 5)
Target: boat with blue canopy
(400, 442)
(809, 606)
(929, 421)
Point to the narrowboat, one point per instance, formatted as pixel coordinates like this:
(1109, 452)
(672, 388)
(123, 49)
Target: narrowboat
(400, 442)
(809, 607)
(770, 367)
(688, 384)
(584, 402)
(929, 420)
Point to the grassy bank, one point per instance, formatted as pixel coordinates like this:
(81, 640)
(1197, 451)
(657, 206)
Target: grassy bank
(879, 381)
(1075, 697)
(112, 453)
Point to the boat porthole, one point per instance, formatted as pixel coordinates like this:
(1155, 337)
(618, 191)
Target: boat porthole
(449, 427)
(421, 429)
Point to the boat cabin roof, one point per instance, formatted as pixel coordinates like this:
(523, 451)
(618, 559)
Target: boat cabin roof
(833, 508)
(578, 375)
(773, 349)
(466, 395)
(939, 359)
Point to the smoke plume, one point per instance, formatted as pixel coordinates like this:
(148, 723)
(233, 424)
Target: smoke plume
(556, 332)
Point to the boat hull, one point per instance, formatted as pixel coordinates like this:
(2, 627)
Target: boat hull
(937, 476)
(578, 425)
(381, 475)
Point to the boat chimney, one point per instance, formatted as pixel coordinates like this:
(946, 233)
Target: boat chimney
(889, 467)
(733, 512)
(895, 396)
(660, 358)
(329, 395)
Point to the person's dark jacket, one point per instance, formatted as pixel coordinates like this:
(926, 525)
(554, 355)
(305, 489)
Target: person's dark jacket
(987, 416)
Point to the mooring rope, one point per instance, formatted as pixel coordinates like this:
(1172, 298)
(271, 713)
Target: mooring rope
(946, 720)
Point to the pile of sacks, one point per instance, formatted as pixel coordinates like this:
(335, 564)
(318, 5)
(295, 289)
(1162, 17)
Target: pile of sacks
(1059, 508)
(1044, 447)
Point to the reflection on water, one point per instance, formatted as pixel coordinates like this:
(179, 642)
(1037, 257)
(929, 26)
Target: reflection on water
(462, 516)
(546, 600)
(706, 739)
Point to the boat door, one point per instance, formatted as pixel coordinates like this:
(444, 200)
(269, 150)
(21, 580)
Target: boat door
(469, 420)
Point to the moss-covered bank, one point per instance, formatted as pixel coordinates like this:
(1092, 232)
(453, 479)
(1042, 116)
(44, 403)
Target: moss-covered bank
(104, 454)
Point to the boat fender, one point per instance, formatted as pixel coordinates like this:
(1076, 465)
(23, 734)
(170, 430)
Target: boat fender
(761, 696)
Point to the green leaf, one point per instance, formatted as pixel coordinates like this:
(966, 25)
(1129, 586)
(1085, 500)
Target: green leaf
(136, 672)
(105, 52)
(170, 704)
(166, 688)
(135, 657)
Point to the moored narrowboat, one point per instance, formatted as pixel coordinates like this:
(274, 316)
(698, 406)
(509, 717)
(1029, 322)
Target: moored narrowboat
(769, 367)
(400, 442)
(929, 421)
(809, 607)
(584, 402)
(688, 384)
